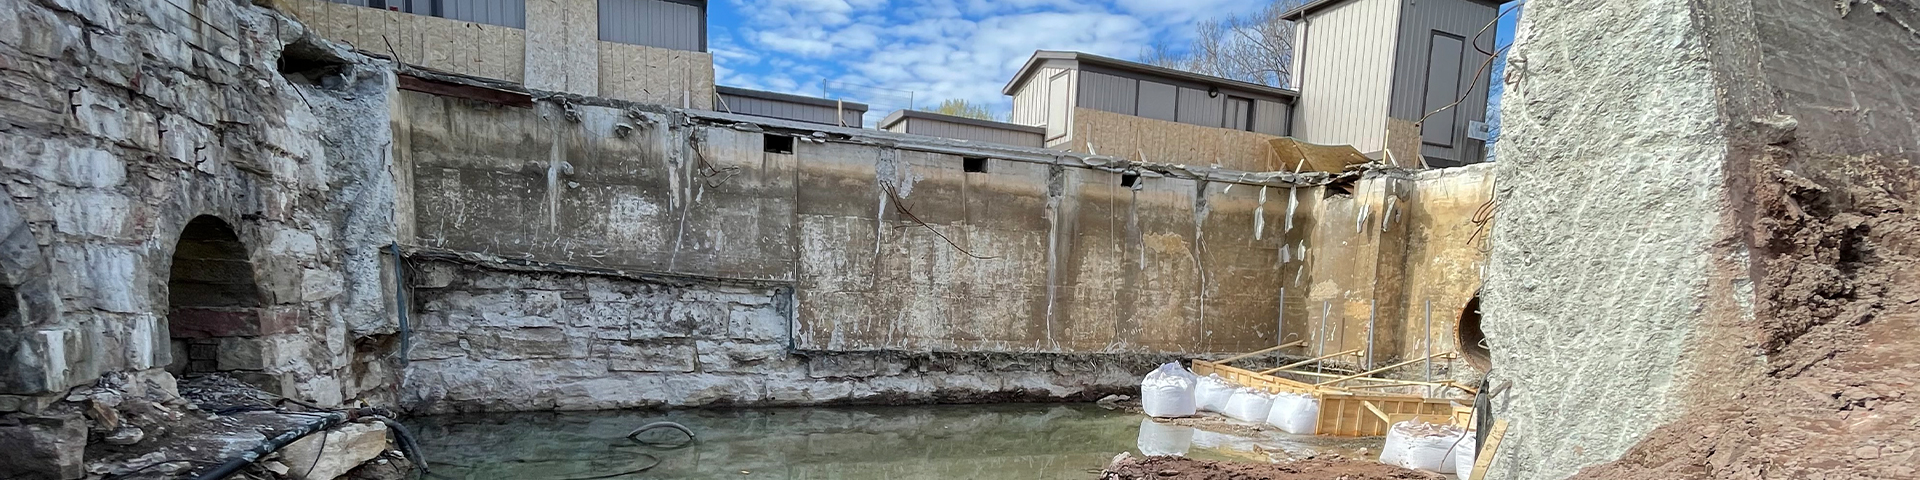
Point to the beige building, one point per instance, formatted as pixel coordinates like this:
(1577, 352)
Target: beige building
(651, 51)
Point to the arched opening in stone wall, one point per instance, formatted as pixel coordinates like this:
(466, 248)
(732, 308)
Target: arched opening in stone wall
(214, 311)
(1473, 344)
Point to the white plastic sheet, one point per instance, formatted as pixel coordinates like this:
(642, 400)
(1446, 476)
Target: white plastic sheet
(1249, 405)
(1213, 393)
(1422, 446)
(1168, 391)
(1163, 439)
(1294, 413)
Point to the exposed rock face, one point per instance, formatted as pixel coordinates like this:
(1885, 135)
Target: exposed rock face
(328, 455)
(488, 340)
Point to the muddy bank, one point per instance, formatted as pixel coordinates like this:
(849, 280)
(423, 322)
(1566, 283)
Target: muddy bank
(1177, 468)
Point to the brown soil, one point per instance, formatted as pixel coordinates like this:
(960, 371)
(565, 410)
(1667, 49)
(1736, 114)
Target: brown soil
(1177, 468)
(1824, 381)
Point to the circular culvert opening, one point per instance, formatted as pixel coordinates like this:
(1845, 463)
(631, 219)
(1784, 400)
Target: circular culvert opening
(1473, 344)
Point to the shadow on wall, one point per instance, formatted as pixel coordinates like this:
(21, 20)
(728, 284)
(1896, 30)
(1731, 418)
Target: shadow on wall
(214, 316)
(1473, 343)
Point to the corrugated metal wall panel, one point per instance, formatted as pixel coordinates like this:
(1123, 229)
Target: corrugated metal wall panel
(1345, 74)
(784, 110)
(1458, 17)
(1196, 108)
(1110, 93)
(937, 128)
(1030, 100)
(1270, 117)
(1238, 114)
(507, 13)
(1157, 100)
(654, 23)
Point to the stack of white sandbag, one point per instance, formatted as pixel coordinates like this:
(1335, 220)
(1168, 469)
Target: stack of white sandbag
(1213, 393)
(1295, 413)
(1463, 456)
(1168, 391)
(1163, 439)
(1423, 446)
(1249, 405)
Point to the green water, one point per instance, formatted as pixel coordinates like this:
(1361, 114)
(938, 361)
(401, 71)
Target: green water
(985, 442)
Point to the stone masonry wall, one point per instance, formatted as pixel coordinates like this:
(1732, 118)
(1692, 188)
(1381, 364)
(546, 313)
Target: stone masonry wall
(122, 121)
(490, 338)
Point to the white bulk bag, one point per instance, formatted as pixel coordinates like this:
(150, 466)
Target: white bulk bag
(1249, 405)
(1463, 457)
(1168, 391)
(1213, 393)
(1422, 446)
(1294, 413)
(1163, 439)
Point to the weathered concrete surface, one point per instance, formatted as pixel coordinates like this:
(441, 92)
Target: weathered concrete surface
(498, 340)
(1044, 257)
(1707, 254)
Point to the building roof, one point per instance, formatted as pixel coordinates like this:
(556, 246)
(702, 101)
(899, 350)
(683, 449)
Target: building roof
(899, 115)
(789, 98)
(1301, 11)
(1041, 56)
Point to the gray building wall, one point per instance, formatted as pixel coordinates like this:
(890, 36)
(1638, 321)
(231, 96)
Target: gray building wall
(506, 13)
(654, 23)
(934, 127)
(1411, 98)
(765, 107)
(1272, 118)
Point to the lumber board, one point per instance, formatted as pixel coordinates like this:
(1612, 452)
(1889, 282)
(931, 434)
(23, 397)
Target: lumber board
(1485, 459)
(1295, 343)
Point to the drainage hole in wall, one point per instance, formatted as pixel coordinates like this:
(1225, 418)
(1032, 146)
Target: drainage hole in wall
(778, 143)
(1129, 179)
(975, 164)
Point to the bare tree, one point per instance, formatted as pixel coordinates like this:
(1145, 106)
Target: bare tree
(1255, 48)
(962, 108)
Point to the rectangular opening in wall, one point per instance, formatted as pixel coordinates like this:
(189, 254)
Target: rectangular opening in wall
(777, 143)
(975, 164)
(1129, 179)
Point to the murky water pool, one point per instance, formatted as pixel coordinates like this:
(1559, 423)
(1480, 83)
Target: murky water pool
(1020, 441)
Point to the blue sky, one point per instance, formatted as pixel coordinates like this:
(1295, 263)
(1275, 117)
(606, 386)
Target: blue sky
(876, 51)
(887, 54)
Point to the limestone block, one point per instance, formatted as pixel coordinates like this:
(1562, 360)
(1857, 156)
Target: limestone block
(345, 447)
(43, 447)
(646, 356)
(737, 356)
(241, 353)
(849, 365)
(756, 324)
(527, 343)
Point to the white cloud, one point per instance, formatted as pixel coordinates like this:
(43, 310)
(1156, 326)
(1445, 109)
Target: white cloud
(938, 49)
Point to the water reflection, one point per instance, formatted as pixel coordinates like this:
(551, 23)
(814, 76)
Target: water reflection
(985, 442)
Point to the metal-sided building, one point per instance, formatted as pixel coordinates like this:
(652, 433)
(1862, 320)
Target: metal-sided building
(962, 128)
(1367, 70)
(789, 107)
(1053, 83)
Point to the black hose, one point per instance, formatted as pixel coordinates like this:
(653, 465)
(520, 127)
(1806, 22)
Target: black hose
(654, 425)
(326, 420)
(656, 463)
(404, 437)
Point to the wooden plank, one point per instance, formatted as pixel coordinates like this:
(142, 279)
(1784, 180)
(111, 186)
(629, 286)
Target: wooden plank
(1295, 343)
(1307, 361)
(1376, 411)
(1396, 418)
(1382, 369)
(1480, 463)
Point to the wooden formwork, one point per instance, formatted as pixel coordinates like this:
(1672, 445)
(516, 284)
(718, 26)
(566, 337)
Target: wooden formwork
(1343, 412)
(1360, 415)
(1256, 380)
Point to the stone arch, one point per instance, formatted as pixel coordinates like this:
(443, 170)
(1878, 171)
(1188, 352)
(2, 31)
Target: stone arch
(1472, 341)
(215, 307)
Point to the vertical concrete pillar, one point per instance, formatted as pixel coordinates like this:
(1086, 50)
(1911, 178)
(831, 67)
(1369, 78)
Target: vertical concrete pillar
(563, 46)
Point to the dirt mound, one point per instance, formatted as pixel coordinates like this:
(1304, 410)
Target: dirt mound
(1178, 468)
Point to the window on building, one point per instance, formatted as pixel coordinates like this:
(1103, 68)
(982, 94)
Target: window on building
(1238, 114)
(674, 24)
(505, 13)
